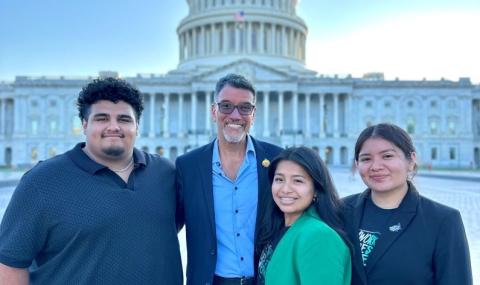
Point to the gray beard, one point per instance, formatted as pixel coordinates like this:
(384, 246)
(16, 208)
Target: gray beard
(234, 139)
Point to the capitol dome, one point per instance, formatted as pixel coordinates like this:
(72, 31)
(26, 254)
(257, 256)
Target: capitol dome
(218, 32)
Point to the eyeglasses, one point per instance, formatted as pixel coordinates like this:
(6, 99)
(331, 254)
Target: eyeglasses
(244, 109)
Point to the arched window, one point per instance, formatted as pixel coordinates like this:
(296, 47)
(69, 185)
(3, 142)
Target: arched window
(76, 125)
(34, 155)
(433, 124)
(34, 126)
(410, 125)
(159, 150)
(452, 125)
(52, 151)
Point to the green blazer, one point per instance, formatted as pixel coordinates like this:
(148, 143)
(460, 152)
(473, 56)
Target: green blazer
(310, 252)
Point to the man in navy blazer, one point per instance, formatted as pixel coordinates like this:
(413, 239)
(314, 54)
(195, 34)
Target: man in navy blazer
(219, 187)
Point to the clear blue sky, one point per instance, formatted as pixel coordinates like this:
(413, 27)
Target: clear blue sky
(409, 39)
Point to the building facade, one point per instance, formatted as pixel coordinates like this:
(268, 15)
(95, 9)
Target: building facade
(265, 41)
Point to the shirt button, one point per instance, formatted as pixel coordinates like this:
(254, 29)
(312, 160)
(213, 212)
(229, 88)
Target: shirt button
(236, 211)
(241, 258)
(238, 234)
(236, 187)
(212, 252)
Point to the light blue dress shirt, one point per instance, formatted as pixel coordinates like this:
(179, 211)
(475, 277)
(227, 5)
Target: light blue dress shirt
(235, 204)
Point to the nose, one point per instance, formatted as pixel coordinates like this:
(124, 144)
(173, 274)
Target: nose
(285, 188)
(235, 114)
(376, 164)
(113, 125)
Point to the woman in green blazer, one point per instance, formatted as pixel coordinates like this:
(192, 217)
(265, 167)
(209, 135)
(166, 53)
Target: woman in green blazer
(301, 237)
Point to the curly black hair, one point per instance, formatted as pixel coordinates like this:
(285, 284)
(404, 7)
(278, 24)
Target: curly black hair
(110, 89)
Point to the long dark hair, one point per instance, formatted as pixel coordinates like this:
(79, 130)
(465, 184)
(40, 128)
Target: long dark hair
(327, 203)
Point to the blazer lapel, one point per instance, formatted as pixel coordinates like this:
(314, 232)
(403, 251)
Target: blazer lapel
(205, 169)
(357, 214)
(396, 226)
(263, 182)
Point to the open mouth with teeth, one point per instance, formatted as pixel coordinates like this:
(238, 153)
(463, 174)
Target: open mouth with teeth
(287, 200)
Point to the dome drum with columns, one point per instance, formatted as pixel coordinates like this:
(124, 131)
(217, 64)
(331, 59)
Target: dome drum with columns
(264, 41)
(217, 32)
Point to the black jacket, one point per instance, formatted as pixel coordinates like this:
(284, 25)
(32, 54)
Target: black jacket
(429, 248)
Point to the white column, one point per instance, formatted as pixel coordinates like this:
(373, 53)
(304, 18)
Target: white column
(151, 132)
(280, 113)
(398, 119)
(467, 118)
(213, 37)
(284, 41)
(295, 111)
(42, 124)
(266, 111)
(184, 46)
(294, 35)
(65, 118)
(193, 111)
(180, 46)
(181, 127)
(2, 116)
(273, 44)
(302, 46)
(203, 43)
(261, 47)
(189, 44)
(17, 120)
(307, 115)
(166, 115)
(237, 39)
(225, 38)
(249, 36)
(335, 115)
(194, 42)
(322, 115)
(208, 106)
(348, 118)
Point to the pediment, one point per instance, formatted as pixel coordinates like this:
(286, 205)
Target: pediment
(252, 70)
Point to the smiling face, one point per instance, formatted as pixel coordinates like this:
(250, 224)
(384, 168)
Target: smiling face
(110, 130)
(292, 190)
(384, 167)
(233, 128)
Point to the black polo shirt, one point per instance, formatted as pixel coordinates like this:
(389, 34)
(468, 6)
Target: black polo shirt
(74, 221)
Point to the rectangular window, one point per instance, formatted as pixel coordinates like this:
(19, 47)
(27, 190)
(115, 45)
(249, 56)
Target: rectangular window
(452, 153)
(433, 153)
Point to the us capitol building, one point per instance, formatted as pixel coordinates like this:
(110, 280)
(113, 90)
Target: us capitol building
(265, 41)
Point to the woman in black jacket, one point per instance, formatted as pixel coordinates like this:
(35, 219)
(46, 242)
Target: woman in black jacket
(399, 236)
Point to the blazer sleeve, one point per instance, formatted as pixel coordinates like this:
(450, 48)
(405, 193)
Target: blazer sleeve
(179, 213)
(452, 257)
(323, 260)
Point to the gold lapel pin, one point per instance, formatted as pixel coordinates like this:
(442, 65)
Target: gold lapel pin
(266, 163)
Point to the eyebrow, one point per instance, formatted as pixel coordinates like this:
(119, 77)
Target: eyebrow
(294, 175)
(383, 151)
(101, 115)
(121, 116)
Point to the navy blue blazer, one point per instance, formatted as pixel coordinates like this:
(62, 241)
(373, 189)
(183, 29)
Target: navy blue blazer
(196, 211)
(430, 247)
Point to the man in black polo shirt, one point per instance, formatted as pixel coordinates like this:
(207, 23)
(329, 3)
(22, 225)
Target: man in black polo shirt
(103, 212)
